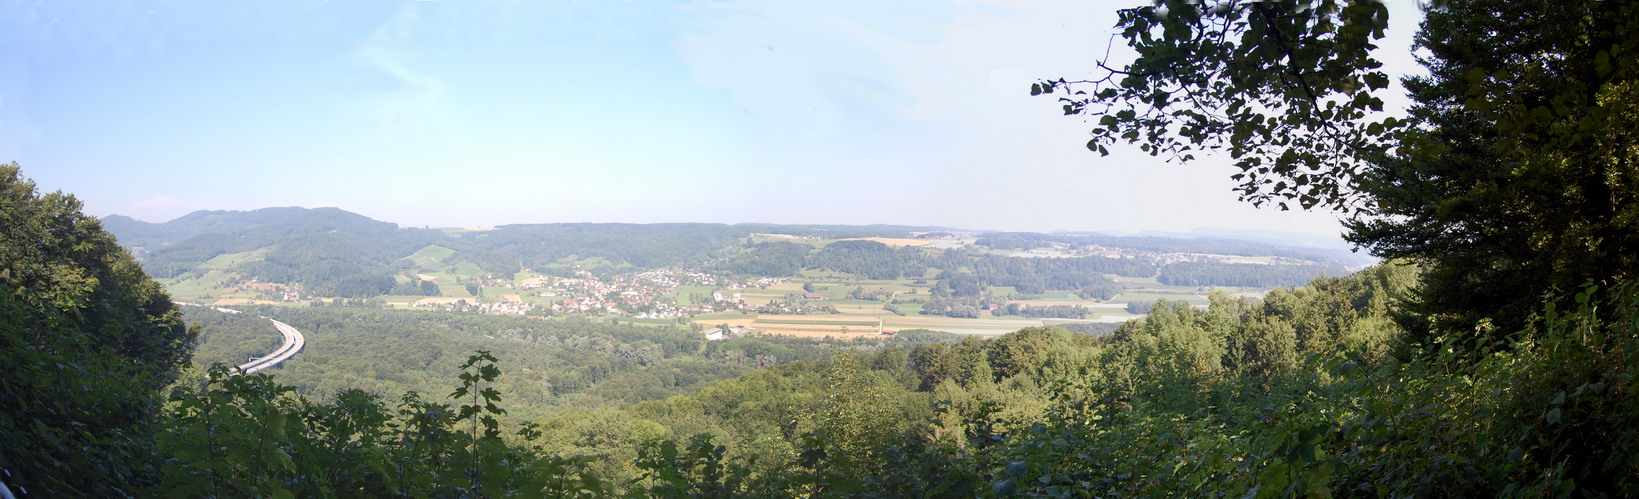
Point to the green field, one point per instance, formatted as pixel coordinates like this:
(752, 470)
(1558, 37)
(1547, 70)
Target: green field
(853, 302)
(200, 286)
(723, 316)
(825, 274)
(229, 260)
(432, 256)
(701, 292)
(468, 269)
(834, 291)
(1133, 281)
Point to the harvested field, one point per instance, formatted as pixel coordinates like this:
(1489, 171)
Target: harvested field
(243, 301)
(437, 300)
(894, 241)
(818, 322)
(821, 334)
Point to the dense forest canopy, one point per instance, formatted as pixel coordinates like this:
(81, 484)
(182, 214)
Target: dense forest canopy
(1512, 175)
(87, 343)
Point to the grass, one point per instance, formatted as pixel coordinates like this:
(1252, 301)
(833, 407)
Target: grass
(453, 290)
(834, 291)
(200, 286)
(703, 292)
(443, 278)
(227, 261)
(468, 269)
(430, 256)
(1137, 281)
(401, 298)
(723, 316)
(541, 300)
(824, 274)
(816, 322)
(1192, 298)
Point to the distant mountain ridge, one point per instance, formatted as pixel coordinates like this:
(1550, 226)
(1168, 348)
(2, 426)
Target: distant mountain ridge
(288, 220)
(335, 253)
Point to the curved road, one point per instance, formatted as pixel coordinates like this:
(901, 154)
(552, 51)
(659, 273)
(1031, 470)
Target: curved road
(293, 343)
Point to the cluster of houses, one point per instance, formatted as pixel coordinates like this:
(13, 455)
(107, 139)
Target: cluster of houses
(645, 294)
(648, 294)
(267, 290)
(503, 307)
(1166, 258)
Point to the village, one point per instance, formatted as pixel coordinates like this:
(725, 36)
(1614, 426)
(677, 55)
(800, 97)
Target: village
(650, 294)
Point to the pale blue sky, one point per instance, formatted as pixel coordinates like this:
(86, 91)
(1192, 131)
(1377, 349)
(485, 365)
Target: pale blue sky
(469, 113)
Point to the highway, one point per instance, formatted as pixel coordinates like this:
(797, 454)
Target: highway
(292, 344)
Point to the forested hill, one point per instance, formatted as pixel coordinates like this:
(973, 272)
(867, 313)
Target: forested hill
(266, 221)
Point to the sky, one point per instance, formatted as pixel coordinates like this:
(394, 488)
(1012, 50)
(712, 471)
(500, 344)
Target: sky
(489, 112)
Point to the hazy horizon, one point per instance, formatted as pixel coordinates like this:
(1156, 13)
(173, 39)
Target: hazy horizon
(1204, 231)
(456, 114)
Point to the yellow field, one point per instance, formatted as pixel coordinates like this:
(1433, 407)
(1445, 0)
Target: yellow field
(441, 300)
(710, 323)
(821, 334)
(1084, 303)
(950, 321)
(863, 310)
(786, 287)
(821, 325)
(812, 318)
(895, 241)
(242, 301)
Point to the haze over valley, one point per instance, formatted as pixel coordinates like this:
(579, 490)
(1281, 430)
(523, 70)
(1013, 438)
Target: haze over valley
(814, 281)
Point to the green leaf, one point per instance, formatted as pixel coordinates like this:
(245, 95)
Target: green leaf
(1004, 488)
(1376, 80)
(1476, 75)
(1017, 469)
(1553, 416)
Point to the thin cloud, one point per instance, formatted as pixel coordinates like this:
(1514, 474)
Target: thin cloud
(416, 107)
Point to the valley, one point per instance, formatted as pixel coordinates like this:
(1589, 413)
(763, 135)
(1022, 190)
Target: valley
(807, 281)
